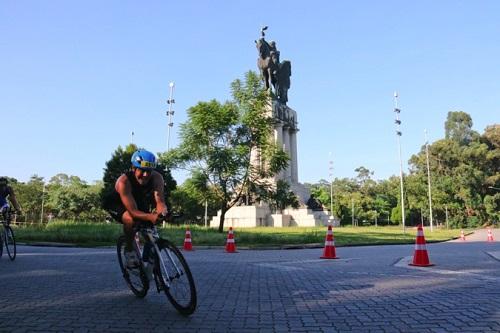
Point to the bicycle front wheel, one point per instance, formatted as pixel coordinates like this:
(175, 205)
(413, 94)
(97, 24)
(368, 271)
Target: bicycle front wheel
(136, 278)
(175, 278)
(1, 241)
(10, 242)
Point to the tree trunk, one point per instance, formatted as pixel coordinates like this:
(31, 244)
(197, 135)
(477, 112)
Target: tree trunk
(222, 216)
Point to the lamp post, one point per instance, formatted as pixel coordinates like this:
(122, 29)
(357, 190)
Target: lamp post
(170, 112)
(43, 201)
(352, 206)
(398, 134)
(494, 188)
(428, 178)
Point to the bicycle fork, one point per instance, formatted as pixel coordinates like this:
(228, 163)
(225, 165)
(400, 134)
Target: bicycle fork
(167, 279)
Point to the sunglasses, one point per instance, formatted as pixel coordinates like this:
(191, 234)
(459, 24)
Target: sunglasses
(146, 164)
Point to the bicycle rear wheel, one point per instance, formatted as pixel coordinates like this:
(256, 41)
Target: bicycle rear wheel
(136, 278)
(175, 278)
(10, 242)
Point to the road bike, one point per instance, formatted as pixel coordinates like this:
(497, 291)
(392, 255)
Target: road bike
(7, 234)
(159, 261)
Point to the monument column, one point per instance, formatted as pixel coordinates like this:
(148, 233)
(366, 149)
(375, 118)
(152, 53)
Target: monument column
(286, 147)
(278, 140)
(293, 156)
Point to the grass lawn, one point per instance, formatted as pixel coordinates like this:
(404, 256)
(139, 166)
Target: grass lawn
(101, 234)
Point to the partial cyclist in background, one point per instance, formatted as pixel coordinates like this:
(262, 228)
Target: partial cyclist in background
(138, 196)
(7, 193)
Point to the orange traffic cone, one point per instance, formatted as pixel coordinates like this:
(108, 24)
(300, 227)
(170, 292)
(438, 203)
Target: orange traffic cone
(420, 257)
(230, 244)
(490, 236)
(188, 244)
(329, 250)
(462, 236)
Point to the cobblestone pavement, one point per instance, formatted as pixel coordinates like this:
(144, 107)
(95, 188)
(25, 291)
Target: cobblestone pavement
(369, 289)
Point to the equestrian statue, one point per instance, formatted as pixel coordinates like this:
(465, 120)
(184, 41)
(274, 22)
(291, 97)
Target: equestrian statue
(274, 73)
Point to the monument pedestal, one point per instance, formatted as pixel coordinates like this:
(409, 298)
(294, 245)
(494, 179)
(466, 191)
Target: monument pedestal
(261, 216)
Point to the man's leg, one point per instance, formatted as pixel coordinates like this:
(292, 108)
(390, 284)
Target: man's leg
(128, 230)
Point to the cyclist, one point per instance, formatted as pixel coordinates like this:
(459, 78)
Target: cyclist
(138, 196)
(7, 192)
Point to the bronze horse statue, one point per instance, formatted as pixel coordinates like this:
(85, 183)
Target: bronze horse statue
(267, 63)
(283, 80)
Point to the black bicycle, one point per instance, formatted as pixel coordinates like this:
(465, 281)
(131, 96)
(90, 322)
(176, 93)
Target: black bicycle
(162, 262)
(7, 235)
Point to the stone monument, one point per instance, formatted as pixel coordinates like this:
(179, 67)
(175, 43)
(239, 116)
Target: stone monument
(276, 77)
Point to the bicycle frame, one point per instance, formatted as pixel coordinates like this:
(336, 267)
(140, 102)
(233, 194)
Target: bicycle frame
(150, 235)
(161, 260)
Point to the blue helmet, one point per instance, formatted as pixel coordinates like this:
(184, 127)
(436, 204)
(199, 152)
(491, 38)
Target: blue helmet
(144, 160)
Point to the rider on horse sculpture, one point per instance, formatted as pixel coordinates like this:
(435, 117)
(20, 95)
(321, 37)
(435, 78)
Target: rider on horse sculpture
(273, 72)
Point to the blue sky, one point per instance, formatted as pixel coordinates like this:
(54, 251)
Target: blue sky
(77, 77)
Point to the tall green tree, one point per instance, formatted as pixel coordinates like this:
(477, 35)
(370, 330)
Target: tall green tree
(29, 195)
(217, 140)
(69, 197)
(458, 127)
(189, 200)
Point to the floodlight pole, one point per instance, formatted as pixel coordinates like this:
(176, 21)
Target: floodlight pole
(330, 169)
(170, 113)
(398, 134)
(428, 178)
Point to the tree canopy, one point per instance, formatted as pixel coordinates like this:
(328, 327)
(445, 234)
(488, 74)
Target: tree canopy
(217, 141)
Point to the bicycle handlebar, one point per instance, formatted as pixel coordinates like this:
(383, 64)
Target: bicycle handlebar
(163, 218)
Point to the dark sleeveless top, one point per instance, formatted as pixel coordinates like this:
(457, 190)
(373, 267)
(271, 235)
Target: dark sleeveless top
(143, 195)
(4, 191)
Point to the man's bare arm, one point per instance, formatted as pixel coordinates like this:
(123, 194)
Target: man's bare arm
(13, 199)
(124, 188)
(159, 194)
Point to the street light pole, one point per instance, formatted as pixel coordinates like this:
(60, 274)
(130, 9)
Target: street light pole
(170, 113)
(43, 201)
(398, 133)
(446, 210)
(352, 205)
(428, 178)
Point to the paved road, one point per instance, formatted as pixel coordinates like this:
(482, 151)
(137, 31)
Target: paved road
(370, 289)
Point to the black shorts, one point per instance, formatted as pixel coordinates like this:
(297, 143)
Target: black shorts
(114, 206)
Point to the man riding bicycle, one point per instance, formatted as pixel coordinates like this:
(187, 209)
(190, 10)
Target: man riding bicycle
(138, 196)
(7, 192)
